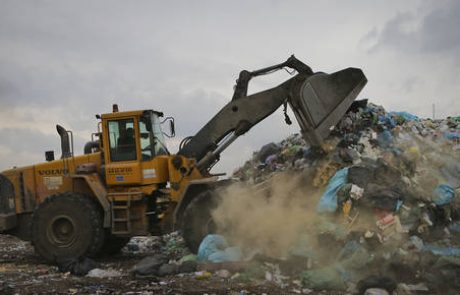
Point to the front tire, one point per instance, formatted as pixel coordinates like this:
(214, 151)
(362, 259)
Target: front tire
(197, 220)
(67, 226)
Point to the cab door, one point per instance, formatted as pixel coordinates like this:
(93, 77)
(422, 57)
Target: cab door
(122, 163)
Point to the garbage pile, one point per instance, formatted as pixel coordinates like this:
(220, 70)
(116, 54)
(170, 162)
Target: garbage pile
(171, 245)
(387, 216)
(375, 210)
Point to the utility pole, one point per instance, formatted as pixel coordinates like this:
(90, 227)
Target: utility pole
(434, 112)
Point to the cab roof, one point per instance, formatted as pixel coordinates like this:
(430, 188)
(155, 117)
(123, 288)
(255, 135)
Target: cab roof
(114, 115)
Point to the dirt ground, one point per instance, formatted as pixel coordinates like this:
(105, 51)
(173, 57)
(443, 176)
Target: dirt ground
(23, 272)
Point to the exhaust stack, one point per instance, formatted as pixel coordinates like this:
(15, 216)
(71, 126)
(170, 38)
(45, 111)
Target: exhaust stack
(65, 142)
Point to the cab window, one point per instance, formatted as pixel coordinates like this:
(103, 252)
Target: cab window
(122, 140)
(146, 139)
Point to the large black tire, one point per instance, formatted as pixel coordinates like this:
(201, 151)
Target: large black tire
(197, 221)
(67, 226)
(112, 244)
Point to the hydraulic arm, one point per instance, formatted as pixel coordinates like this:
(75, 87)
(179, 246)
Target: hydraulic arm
(318, 101)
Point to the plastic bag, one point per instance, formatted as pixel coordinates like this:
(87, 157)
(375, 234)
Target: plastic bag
(229, 254)
(452, 135)
(214, 248)
(209, 245)
(405, 115)
(385, 139)
(443, 251)
(328, 201)
(443, 194)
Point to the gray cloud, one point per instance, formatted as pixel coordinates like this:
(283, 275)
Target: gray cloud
(410, 84)
(20, 147)
(7, 89)
(64, 61)
(433, 30)
(27, 140)
(440, 28)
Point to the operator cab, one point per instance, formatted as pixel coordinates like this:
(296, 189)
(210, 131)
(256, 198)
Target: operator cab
(135, 144)
(122, 139)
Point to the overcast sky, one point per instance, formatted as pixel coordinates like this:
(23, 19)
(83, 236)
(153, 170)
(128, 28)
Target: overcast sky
(65, 61)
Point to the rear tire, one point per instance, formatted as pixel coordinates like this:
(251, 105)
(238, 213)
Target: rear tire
(67, 226)
(197, 221)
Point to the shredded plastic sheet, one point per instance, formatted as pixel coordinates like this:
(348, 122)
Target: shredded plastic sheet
(328, 202)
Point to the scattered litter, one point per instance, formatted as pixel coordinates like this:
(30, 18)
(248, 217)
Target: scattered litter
(223, 273)
(376, 285)
(376, 291)
(168, 269)
(420, 287)
(327, 278)
(149, 265)
(203, 275)
(103, 273)
(78, 266)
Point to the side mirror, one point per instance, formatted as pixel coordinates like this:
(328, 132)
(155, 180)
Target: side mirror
(172, 128)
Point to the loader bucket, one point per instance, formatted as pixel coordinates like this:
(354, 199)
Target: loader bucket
(323, 99)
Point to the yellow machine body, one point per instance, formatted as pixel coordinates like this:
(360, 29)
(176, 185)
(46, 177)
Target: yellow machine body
(120, 186)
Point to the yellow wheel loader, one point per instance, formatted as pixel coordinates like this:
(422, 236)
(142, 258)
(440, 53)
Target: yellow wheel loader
(128, 184)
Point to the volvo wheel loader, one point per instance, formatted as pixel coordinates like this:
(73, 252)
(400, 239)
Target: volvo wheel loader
(128, 184)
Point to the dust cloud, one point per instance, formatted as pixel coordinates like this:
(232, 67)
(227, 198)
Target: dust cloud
(272, 218)
(432, 162)
(268, 218)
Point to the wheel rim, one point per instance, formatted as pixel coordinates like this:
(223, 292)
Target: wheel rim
(61, 231)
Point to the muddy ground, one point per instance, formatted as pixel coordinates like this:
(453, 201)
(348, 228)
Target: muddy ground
(23, 272)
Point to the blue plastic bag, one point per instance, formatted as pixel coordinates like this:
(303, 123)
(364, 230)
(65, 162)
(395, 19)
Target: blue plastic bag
(443, 194)
(229, 254)
(385, 138)
(442, 251)
(452, 135)
(387, 121)
(328, 201)
(209, 245)
(405, 115)
(214, 248)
